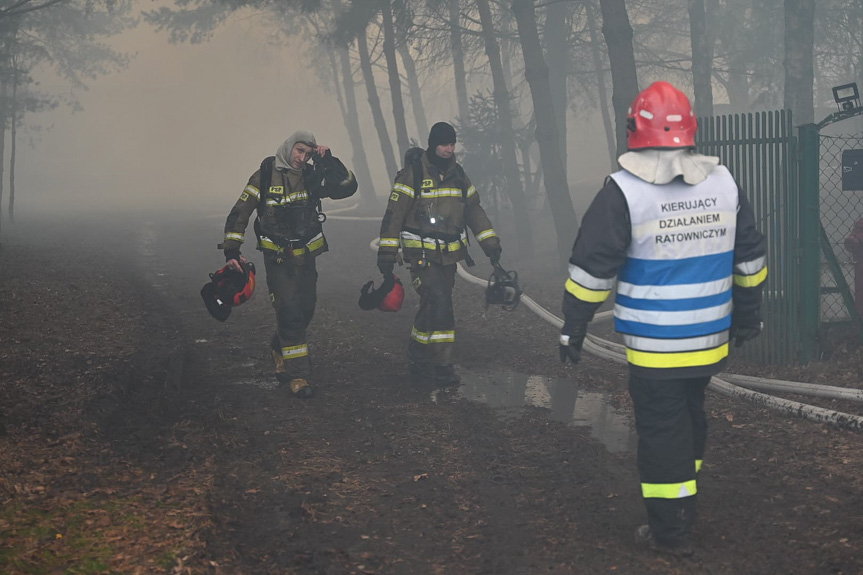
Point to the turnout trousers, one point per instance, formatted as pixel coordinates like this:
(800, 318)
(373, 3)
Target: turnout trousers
(433, 333)
(293, 293)
(672, 431)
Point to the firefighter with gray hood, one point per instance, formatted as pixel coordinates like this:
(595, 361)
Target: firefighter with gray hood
(286, 193)
(676, 235)
(431, 204)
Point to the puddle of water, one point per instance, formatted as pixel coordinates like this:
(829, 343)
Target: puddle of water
(508, 391)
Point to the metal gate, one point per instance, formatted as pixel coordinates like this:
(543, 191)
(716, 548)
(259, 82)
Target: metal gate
(761, 151)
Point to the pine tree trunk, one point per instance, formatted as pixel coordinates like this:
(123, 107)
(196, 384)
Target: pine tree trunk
(415, 92)
(13, 134)
(458, 60)
(375, 104)
(624, 80)
(4, 113)
(702, 58)
(507, 133)
(359, 162)
(558, 23)
(547, 122)
(799, 57)
(598, 64)
(395, 80)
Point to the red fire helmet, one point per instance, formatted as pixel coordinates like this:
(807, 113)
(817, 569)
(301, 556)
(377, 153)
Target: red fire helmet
(228, 288)
(393, 300)
(661, 117)
(388, 297)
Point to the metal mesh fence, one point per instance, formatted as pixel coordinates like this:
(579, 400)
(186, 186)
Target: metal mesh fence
(839, 211)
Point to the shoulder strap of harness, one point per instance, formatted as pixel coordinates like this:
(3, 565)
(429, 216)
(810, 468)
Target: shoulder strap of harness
(266, 179)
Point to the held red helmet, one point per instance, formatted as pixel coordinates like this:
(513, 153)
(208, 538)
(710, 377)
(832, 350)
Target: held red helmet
(388, 297)
(228, 288)
(661, 117)
(393, 300)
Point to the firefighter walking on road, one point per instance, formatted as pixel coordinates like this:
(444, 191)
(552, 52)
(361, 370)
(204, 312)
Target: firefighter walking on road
(286, 192)
(431, 203)
(677, 235)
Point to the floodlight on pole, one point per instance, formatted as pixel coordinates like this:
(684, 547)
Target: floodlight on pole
(846, 96)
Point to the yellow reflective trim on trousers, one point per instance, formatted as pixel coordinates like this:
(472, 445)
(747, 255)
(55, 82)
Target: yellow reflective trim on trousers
(754, 280)
(698, 464)
(426, 337)
(295, 351)
(669, 490)
(419, 336)
(584, 294)
(682, 359)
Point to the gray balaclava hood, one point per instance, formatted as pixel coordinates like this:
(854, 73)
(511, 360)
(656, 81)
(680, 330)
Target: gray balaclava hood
(283, 154)
(658, 166)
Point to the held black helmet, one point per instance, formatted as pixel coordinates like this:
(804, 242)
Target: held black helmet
(228, 288)
(503, 289)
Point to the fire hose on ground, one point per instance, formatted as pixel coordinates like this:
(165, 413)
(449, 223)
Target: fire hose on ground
(740, 386)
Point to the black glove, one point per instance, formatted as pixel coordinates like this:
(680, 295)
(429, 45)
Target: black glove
(325, 160)
(386, 264)
(745, 325)
(571, 340)
(494, 255)
(232, 254)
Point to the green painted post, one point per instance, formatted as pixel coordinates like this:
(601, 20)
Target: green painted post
(810, 244)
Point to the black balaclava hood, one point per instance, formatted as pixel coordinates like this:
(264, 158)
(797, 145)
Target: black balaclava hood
(440, 134)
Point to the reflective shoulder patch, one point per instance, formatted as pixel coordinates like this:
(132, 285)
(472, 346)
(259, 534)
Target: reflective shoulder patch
(244, 196)
(394, 196)
(280, 190)
(428, 183)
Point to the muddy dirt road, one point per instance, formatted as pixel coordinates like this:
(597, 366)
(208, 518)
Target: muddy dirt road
(143, 436)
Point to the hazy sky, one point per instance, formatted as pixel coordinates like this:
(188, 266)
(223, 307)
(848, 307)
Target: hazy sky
(182, 121)
(188, 124)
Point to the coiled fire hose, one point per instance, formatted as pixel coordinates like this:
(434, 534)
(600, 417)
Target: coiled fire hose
(740, 386)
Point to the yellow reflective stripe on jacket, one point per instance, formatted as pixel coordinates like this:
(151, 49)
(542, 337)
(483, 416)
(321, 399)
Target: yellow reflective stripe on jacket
(347, 180)
(471, 191)
(430, 244)
(682, 359)
(288, 198)
(295, 351)
(441, 193)
(445, 336)
(268, 244)
(388, 243)
(582, 293)
(253, 191)
(698, 464)
(669, 490)
(316, 242)
(753, 280)
(404, 189)
(484, 235)
(235, 236)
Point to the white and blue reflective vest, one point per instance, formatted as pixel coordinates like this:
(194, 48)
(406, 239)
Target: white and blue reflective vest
(673, 303)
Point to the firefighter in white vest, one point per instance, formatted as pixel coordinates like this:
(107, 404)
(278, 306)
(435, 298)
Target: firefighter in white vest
(677, 236)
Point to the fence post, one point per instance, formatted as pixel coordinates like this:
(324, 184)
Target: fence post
(810, 237)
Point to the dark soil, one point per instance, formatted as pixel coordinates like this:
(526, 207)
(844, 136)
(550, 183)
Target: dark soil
(140, 435)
